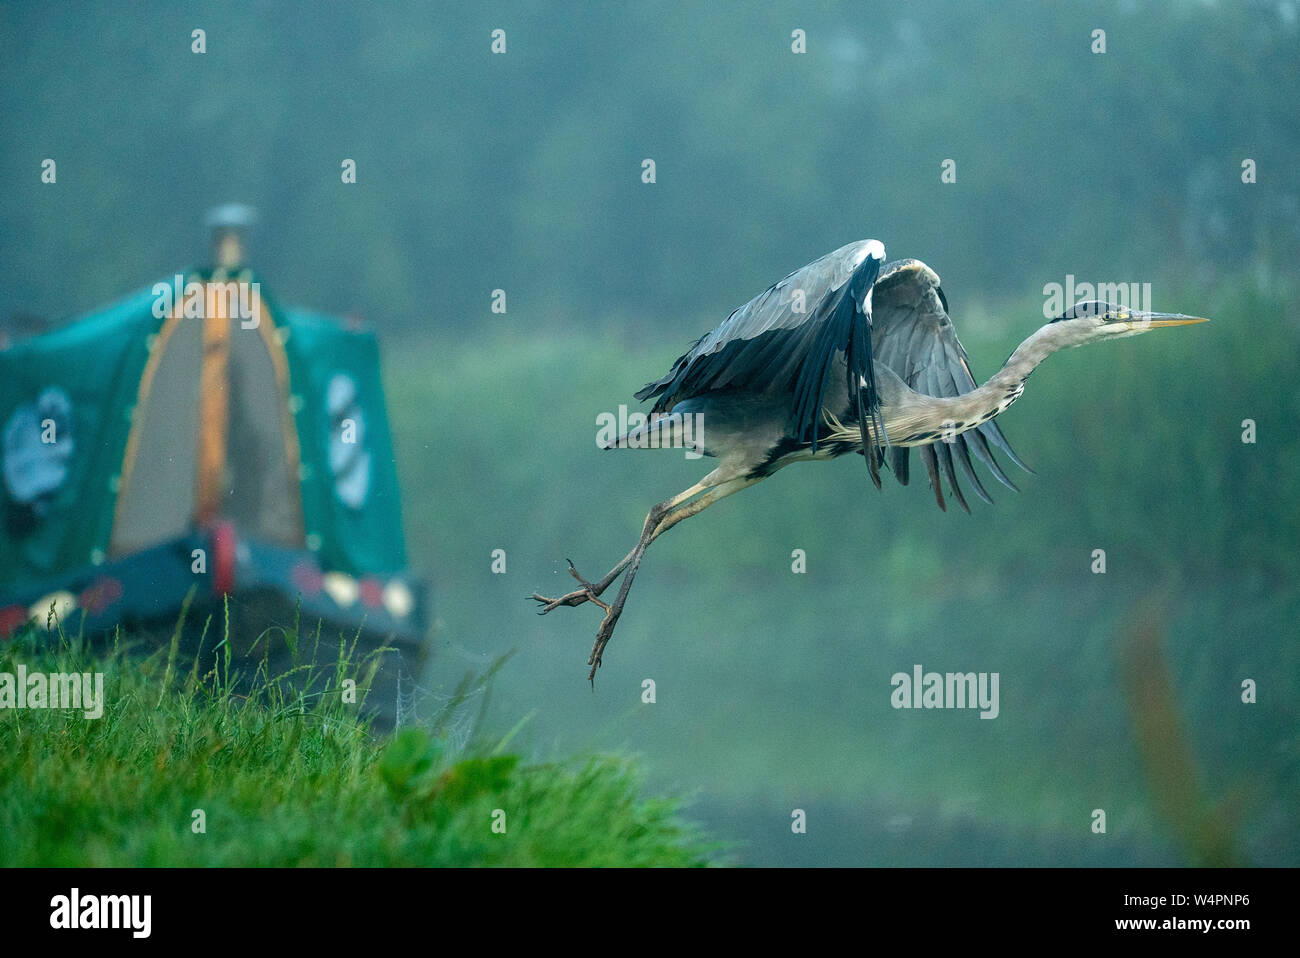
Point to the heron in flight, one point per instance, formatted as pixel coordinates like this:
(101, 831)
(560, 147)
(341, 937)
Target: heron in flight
(849, 354)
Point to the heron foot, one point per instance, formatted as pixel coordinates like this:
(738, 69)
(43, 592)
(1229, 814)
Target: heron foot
(603, 635)
(590, 592)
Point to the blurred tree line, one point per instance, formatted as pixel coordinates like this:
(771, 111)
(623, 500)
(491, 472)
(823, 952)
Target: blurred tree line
(522, 170)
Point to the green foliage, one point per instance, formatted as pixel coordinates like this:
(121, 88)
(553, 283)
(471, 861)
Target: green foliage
(294, 782)
(408, 759)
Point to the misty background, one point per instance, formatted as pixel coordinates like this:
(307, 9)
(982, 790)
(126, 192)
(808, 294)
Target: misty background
(522, 171)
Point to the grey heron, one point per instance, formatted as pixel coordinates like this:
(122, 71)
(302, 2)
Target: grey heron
(849, 354)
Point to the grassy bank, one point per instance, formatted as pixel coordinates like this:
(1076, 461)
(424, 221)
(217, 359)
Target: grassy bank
(182, 770)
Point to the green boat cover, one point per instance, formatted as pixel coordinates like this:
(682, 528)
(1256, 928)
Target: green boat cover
(105, 431)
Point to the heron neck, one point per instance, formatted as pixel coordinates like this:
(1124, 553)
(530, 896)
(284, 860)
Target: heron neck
(1025, 359)
(981, 404)
(913, 418)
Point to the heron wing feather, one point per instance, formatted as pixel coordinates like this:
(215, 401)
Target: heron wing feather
(786, 339)
(913, 335)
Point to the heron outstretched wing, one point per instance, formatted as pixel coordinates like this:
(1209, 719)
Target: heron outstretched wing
(787, 338)
(913, 335)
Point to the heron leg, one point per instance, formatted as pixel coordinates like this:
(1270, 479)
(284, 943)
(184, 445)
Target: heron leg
(592, 590)
(660, 519)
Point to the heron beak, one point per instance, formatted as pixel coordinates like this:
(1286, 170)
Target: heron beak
(1139, 321)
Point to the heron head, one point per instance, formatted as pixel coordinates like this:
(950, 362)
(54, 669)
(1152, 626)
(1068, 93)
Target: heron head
(1095, 320)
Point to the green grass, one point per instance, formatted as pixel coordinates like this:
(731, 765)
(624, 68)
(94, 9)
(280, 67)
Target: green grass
(288, 778)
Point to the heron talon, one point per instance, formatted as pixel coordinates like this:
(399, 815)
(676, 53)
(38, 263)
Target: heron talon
(578, 596)
(603, 635)
(573, 571)
(589, 592)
